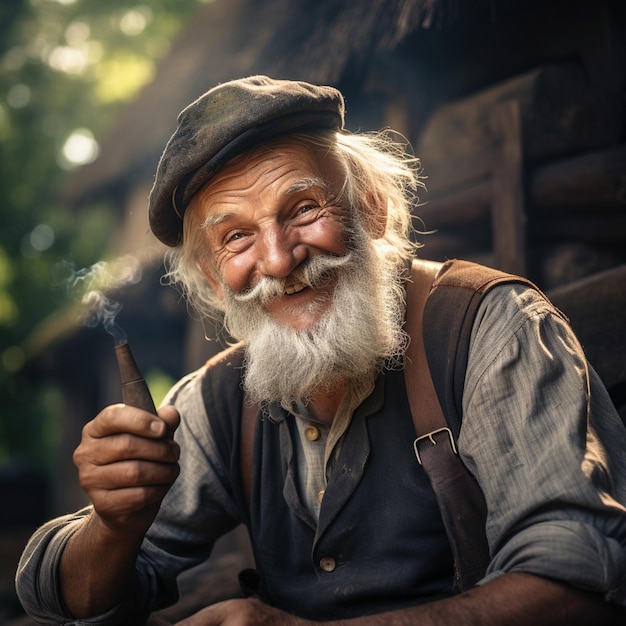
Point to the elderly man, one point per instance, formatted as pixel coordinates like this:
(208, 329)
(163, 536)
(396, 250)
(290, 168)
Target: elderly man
(299, 234)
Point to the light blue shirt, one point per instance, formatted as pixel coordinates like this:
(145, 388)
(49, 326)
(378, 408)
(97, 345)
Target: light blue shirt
(539, 433)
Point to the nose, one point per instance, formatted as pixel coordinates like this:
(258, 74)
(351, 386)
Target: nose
(278, 254)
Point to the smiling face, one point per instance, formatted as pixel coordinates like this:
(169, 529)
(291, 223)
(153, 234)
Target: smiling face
(266, 215)
(297, 271)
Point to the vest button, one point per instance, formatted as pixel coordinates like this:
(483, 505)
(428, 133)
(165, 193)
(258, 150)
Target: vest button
(328, 564)
(320, 496)
(312, 433)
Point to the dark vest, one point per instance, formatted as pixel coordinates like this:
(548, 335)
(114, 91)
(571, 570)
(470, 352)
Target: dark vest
(379, 543)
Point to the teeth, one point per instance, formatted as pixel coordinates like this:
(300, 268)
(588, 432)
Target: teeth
(294, 287)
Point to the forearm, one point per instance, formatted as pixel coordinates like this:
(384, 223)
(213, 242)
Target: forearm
(97, 567)
(512, 600)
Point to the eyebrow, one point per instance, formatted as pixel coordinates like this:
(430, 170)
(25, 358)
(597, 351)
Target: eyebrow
(307, 183)
(214, 220)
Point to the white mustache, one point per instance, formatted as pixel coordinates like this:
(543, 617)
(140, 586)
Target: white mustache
(315, 272)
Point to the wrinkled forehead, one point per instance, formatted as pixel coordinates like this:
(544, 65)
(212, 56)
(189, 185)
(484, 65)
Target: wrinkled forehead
(296, 164)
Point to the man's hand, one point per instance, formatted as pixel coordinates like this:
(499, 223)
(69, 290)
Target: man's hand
(127, 461)
(250, 612)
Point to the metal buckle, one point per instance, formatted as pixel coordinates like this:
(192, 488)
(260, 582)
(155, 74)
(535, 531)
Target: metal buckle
(430, 436)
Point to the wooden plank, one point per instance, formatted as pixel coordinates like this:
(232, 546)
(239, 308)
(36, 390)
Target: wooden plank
(507, 212)
(593, 183)
(593, 228)
(463, 206)
(561, 114)
(596, 179)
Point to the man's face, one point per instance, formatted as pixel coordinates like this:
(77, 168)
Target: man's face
(267, 214)
(301, 280)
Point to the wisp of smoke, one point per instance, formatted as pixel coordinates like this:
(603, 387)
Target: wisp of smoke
(90, 283)
(100, 309)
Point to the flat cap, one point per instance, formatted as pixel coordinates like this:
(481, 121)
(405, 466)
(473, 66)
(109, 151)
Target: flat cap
(226, 120)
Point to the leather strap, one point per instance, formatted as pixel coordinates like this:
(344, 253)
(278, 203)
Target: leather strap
(249, 419)
(449, 312)
(460, 499)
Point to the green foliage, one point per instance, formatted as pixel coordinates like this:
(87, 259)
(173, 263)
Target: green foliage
(159, 384)
(66, 68)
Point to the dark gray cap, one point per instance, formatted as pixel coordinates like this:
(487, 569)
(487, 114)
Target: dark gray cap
(226, 120)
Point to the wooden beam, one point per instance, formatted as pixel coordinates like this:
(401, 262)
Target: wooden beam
(592, 183)
(508, 215)
(596, 179)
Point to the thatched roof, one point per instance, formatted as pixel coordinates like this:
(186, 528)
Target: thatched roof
(322, 38)
(316, 40)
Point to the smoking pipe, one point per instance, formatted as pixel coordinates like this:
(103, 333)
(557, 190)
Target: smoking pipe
(135, 391)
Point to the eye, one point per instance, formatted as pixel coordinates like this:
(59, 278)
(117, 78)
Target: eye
(307, 210)
(235, 240)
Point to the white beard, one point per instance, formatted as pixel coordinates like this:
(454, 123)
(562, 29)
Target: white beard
(354, 338)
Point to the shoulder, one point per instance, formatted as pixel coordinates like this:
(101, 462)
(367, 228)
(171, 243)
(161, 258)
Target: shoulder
(518, 334)
(460, 286)
(221, 370)
(212, 394)
(507, 307)
(516, 299)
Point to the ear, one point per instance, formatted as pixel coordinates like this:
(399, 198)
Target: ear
(376, 215)
(212, 279)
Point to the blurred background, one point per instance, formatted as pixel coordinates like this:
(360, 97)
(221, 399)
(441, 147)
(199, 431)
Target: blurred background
(516, 109)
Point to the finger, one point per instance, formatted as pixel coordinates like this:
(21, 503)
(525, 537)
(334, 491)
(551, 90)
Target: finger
(124, 446)
(128, 491)
(123, 506)
(208, 616)
(171, 417)
(127, 475)
(121, 418)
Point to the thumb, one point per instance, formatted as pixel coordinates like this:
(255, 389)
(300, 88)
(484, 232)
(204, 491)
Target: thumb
(171, 417)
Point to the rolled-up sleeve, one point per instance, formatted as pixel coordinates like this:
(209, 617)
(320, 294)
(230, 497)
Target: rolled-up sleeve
(547, 447)
(37, 579)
